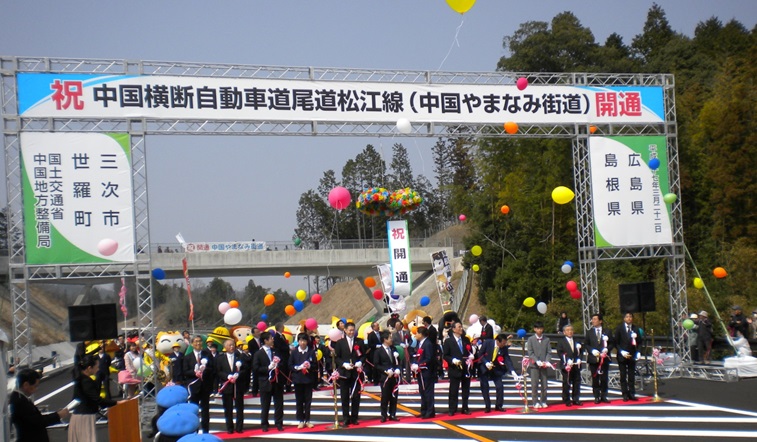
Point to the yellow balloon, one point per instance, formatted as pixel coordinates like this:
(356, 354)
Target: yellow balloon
(301, 295)
(476, 250)
(363, 330)
(461, 6)
(698, 283)
(475, 267)
(318, 354)
(562, 195)
(529, 302)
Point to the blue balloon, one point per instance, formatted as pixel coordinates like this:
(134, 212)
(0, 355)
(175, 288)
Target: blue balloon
(522, 333)
(570, 263)
(394, 295)
(158, 274)
(344, 321)
(654, 163)
(264, 317)
(425, 301)
(298, 305)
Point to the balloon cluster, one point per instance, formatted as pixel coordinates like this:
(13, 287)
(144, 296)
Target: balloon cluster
(379, 201)
(230, 311)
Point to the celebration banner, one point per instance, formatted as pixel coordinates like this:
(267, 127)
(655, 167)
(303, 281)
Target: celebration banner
(627, 190)
(77, 194)
(443, 277)
(232, 246)
(399, 257)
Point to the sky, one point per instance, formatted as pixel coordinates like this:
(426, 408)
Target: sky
(218, 188)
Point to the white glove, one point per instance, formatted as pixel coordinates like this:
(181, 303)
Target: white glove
(358, 364)
(229, 377)
(578, 346)
(595, 352)
(272, 365)
(638, 355)
(471, 356)
(604, 351)
(624, 353)
(403, 345)
(204, 361)
(578, 362)
(540, 363)
(389, 372)
(633, 335)
(455, 361)
(569, 363)
(396, 372)
(489, 365)
(396, 355)
(414, 367)
(514, 374)
(347, 366)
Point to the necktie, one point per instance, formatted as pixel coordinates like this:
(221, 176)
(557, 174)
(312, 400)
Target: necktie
(197, 356)
(570, 342)
(494, 355)
(629, 329)
(599, 335)
(268, 352)
(460, 344)
(391, 356)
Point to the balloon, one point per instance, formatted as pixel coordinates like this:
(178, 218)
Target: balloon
(521, 333)
(301, 295)
(461, 6)
(316, 299)
(462, 218)
(522, 83)
(223, 307)
(404, 126)
(575, 294)
(107, 247)
(505, 209)
(571, 286)
(269, 300)
(339, 198)
(234, 303)
(654, 163)
(473, 319)
(566, 268)
(262, 325)
(370, 282)
(719, 272)
(688, 324)
(264, 317)
(511, 127)
(311, 324)
(698, 283)
(287, 274)
(318, 354)
(298, 305)
(297, 242)
(158, 274)
(425, 301)
(475, 267)
(335, 334)
(570, 263)
(529, 302)
(592, 129)
(289, 310)
(562, 195)
(476, 250)
(378, 295)
(541, 308)
(232, 316)
(669, 198)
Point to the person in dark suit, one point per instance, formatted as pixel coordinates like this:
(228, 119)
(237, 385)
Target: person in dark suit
(199, 374)
(458, 353)
(230, 367)
(31, 425)
(253, 345)
(626, 346)
(103, 370)
(487, 331)
(265, 365)
(349, 352)
(388, 372)
(433, 336)
(302, 363)
(281, 345)
(569, 352)
(598, 346)
(424, 365)
(177, 364)
(495, 363)
(374, 342)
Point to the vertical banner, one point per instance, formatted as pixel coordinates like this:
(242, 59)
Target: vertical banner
(399, 257)
(629, 177)
(77, 194)
(189, 290)
(443, 277)
(396, 303)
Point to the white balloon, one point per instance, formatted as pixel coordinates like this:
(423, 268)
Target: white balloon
(566, 268)
(404, 126)
(541, 307)
(473, 319)
(223, 307)
(232, 316)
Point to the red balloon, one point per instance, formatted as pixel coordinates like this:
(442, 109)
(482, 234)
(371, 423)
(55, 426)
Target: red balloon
(571, 286)
(316, 298)
(378, 295)
(575, 294)
(339, 198)
(262, 326)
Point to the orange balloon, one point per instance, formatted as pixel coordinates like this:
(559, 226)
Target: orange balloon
(592, 129)
(719, 272)
(269, 300)
(287, 274)
(370, 282)
(505, 209)
(511, 127)
(290, 310)
(234, 303)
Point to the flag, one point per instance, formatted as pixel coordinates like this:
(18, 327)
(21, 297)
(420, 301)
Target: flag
(122, 298)
(189, 289)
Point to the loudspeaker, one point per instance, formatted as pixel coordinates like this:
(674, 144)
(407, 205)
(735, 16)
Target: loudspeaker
(81, 327)
(105, 317)
(637, 297)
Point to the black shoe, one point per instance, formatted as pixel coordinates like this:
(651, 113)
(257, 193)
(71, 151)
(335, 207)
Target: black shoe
(428, 416)
(344, 424)
(633, 398)
(239, 430)
(596, 401)
(280, 427)
(451, 413)
(577, 403)
(487, 410)
(605, 400)
(625, 398)
(394, 418)
(230, 431)
(499, 408)
(383, 419)
(355, 422)
(466, 412)
(568, 404)
(265, 429)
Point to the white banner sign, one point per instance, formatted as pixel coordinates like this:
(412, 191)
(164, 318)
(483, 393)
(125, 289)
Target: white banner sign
(399, 257)
(235, 246)
(443, 277)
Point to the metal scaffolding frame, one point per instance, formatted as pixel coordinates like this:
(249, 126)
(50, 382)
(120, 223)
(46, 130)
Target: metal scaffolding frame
(21, 274)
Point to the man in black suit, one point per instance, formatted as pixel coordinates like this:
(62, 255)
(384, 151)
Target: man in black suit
(270, 380)
(598, 345)
(424, 365)
(199, 370)
(253, 345)
(569, 351)
(495, 363)
(388, 372)
(232, 366)
(487, 331)
(374, 342)
(177, 364)
(458, 353)
(103, 370)
(625, 341)
(281, 345)
(349, 352)
(31, 424)
(433, 336)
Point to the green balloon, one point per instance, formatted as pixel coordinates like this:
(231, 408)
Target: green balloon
(297, 242)
(670, 198)
(688, 324)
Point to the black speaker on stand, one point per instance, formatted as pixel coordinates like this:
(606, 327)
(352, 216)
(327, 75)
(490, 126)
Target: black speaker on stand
(92, 322)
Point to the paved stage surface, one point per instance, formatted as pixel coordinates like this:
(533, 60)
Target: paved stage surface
(690, 410)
